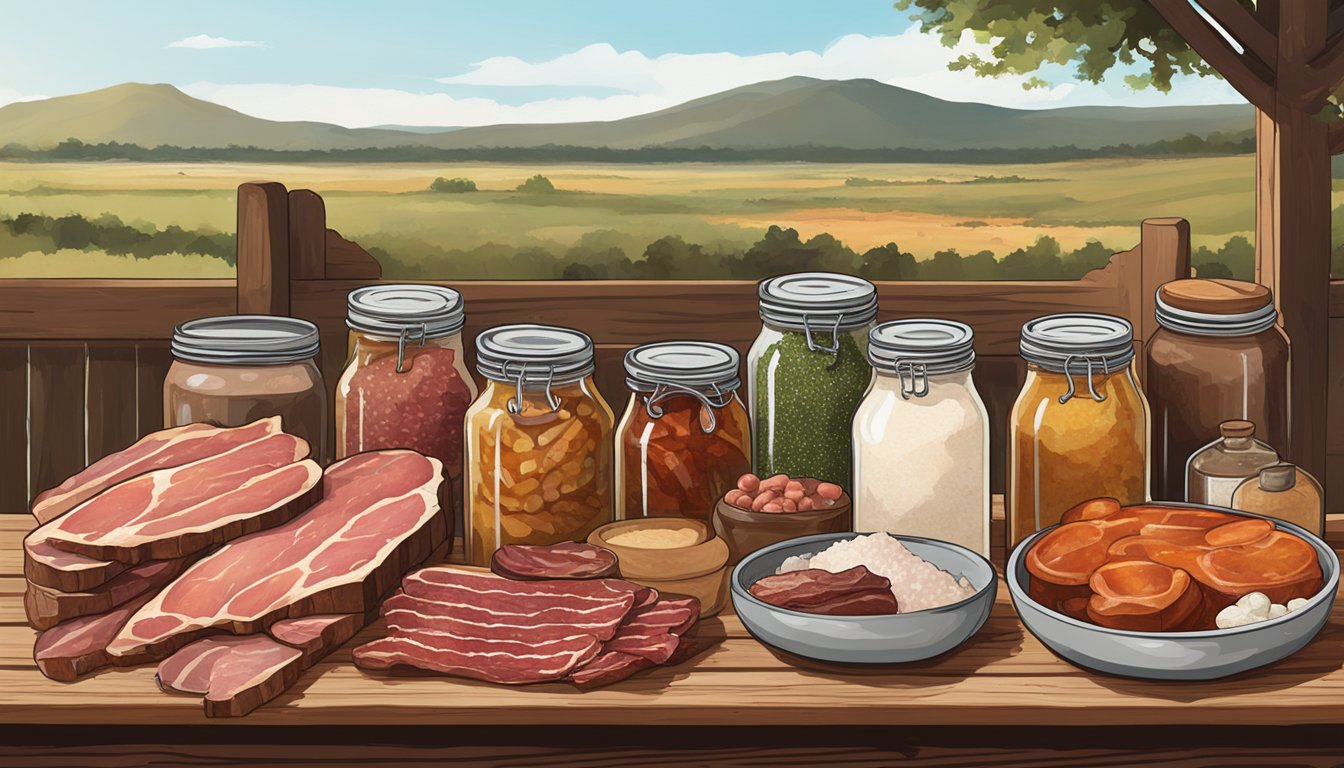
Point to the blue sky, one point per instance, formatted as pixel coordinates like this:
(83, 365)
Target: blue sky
(472, 63)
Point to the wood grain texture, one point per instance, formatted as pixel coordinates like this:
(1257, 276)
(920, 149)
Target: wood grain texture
(307, 235)
(1337, 298)
(14, 492)
(347, 260)
(263, 249)
(56, 413)
(152, 359)
(1334, 407)
(109, 406)
(39, 308)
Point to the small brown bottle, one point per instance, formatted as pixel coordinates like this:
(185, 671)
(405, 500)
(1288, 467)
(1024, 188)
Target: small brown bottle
(1215, 471)
(1283, 492)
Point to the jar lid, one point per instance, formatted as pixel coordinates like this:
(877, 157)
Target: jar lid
(1082, 341)
(391, 310)
(692, 364)
(1236, 428)
(1277, 478)
(940, 346)
(816, 300)
(245, 340)
(540, 353)
(1206, 307)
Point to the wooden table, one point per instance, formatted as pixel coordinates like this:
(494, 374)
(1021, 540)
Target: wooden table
(1001, 697)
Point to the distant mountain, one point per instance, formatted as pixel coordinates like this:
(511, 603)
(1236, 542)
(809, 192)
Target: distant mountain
(795, 112)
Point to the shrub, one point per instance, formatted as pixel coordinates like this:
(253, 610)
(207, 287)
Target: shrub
(537, 185)
(452, 186)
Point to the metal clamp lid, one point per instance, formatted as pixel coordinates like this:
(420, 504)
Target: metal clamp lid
(537, 355)
(245, 340)
(1078, 344)
(803, 300)
(392, 311)
(702, 370)
(916, 349)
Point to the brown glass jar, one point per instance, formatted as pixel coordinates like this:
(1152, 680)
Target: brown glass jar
(1217, 356)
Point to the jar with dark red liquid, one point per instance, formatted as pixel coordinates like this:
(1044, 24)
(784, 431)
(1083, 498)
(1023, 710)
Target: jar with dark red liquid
(406, 384)
(1217, 356)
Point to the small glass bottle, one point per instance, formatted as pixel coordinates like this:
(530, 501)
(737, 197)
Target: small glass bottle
(1283, 492)
(1215, 471)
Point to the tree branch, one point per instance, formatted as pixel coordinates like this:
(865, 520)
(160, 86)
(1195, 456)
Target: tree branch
(1245, 73)
(1336, 138)
(1246, 28)
(1324, 74)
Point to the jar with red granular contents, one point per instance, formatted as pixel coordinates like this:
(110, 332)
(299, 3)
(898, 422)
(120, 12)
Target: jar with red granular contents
(538, 441)
(684, 439)
(406, 384)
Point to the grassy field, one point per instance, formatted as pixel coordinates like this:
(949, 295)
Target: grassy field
(921, 208)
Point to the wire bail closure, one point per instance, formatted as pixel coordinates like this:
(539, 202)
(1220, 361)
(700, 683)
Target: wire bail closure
(401, 344)
(664, 391)
(918, 387)
(834, 349)
(514, 405)
(1091, 360)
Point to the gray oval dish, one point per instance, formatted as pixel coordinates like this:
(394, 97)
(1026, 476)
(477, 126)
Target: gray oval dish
(890, 639)
(1203, 655)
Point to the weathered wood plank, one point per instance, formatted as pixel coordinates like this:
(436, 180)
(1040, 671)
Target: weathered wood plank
(1337, 298)
(1334, 407)
(110, 398)
(56, 412)
(14, 491)
(307, 235)
(347, 260)
(152, 359)
(263, 249)
(37, 308)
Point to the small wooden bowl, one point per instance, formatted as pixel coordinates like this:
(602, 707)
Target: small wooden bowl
(699, 570)
(747, 531)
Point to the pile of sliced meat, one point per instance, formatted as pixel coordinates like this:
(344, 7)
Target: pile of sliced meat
(201, 546)
(487, 627)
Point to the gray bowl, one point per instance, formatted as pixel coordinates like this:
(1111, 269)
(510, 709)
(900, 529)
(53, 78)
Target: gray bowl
(1204, 655)
(890, 639)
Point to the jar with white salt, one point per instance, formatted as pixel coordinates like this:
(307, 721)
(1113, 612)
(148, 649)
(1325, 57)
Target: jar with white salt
(921, 436)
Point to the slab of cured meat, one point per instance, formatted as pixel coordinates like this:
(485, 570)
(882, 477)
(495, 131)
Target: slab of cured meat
(378, 517)
(77, 647)
(487, 627)
(235, 674)
(566, 560)
(1155, 568)
(172, 513)
(158, 450)
(48, 607)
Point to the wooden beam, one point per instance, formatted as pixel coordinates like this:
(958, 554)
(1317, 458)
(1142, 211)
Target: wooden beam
(1335, 133)
(1242, 24)
(307, 235)
(1165, 257)
(263, 249)
(1266, 199)
(1251, 78)
(347, 260)
(47, 308)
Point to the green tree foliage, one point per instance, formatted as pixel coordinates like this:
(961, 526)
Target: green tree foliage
(537, 185)
(452, 186)
(28, 232)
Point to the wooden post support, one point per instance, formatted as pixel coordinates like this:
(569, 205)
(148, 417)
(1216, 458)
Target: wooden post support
(307, 235)
(1164, 255)
(263, 249)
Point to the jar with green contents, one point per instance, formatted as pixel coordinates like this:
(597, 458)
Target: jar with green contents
(807, 371)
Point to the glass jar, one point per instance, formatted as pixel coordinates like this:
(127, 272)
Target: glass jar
(232, 370)
(1214, 472)
(807, 372)
(683, 441)
(1217, 355)
(539, 442)
(1079, 428)
(921, 436)
(406, 384)
(1283, 492)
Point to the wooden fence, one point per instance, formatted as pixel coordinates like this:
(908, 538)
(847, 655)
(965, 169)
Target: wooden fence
(82, 361)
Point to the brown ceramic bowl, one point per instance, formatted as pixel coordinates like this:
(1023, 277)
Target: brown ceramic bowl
(747, 531)
(698, 570)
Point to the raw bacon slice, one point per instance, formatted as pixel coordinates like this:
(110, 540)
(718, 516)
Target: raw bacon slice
(47, 607)
(157, 450)
(566, 560)
(509, 662)
(48, 566)
(406, 612)
(379, 516)
(77, 647)
(817, 591)
(654, 635)
(172, 513)
(235, 674)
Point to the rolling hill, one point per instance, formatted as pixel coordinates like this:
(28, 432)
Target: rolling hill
(795, 112)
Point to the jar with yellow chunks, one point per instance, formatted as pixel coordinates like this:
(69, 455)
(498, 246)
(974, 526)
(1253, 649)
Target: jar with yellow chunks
(539, 442)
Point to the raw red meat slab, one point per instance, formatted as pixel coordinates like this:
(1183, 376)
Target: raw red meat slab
(566, 560)
(158, 450)
(235, 674)
(379, 516)
(175, 512)
(77, 647)
(48, 566)
(510, 662)
(47, 607)
(652, 636)
(418, 614)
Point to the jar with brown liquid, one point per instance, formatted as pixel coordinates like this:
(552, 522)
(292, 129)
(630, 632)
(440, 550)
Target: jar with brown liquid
(538, 442)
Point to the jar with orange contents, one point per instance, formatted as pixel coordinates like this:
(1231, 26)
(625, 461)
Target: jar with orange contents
(538, 441)
(684, 439)
(1080, 426)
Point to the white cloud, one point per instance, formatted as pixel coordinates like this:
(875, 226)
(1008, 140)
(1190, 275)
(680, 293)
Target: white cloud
(205, 42)
(645, 84)
(10, 96)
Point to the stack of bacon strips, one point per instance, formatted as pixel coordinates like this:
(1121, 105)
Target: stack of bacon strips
(486, 627)
(201, 531)
(1151, 568)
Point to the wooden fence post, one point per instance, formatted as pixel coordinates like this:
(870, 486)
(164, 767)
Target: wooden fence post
(307, 235)
(263, 249)
(1164, 255)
